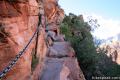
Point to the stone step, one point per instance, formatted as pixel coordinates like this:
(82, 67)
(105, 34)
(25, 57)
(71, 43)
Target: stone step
(53, 36)
(60, 38)
(61, 69)
(61, 49)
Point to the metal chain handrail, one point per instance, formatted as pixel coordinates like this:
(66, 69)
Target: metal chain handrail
(13, 62)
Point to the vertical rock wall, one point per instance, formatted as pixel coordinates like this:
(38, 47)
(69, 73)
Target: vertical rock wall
(18, 21)
(54, 14)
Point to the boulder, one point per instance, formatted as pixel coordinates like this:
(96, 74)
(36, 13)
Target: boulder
(61, 49)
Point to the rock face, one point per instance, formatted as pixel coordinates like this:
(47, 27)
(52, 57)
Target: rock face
(54, 14)
(113, 51)
(18, 21)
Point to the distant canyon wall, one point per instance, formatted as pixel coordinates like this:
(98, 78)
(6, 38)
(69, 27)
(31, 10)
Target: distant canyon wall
(113, 51)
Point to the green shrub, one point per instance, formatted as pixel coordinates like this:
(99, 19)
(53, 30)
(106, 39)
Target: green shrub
(35, 60)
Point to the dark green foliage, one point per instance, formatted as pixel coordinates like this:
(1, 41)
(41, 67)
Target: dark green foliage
(106, 66)
(91, 62)
(78, 33)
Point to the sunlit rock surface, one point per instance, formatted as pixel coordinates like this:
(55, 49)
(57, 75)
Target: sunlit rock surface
(113, 51)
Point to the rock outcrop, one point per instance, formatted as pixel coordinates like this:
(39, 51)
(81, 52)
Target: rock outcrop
(113, 51)
(18, 21)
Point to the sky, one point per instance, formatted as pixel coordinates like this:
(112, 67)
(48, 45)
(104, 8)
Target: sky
(106, 11)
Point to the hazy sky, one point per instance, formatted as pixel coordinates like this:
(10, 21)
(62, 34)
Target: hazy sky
(106, 11)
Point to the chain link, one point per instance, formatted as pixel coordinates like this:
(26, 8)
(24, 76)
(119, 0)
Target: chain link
(13, 62)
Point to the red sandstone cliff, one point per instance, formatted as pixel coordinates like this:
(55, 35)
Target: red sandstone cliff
(18, 21)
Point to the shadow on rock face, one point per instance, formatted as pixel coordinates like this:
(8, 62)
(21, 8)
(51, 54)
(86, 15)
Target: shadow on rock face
(12, 8)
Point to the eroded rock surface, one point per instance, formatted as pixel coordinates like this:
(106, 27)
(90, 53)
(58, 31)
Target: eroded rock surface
(61, 49)
(60, 65)
(18, 21)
